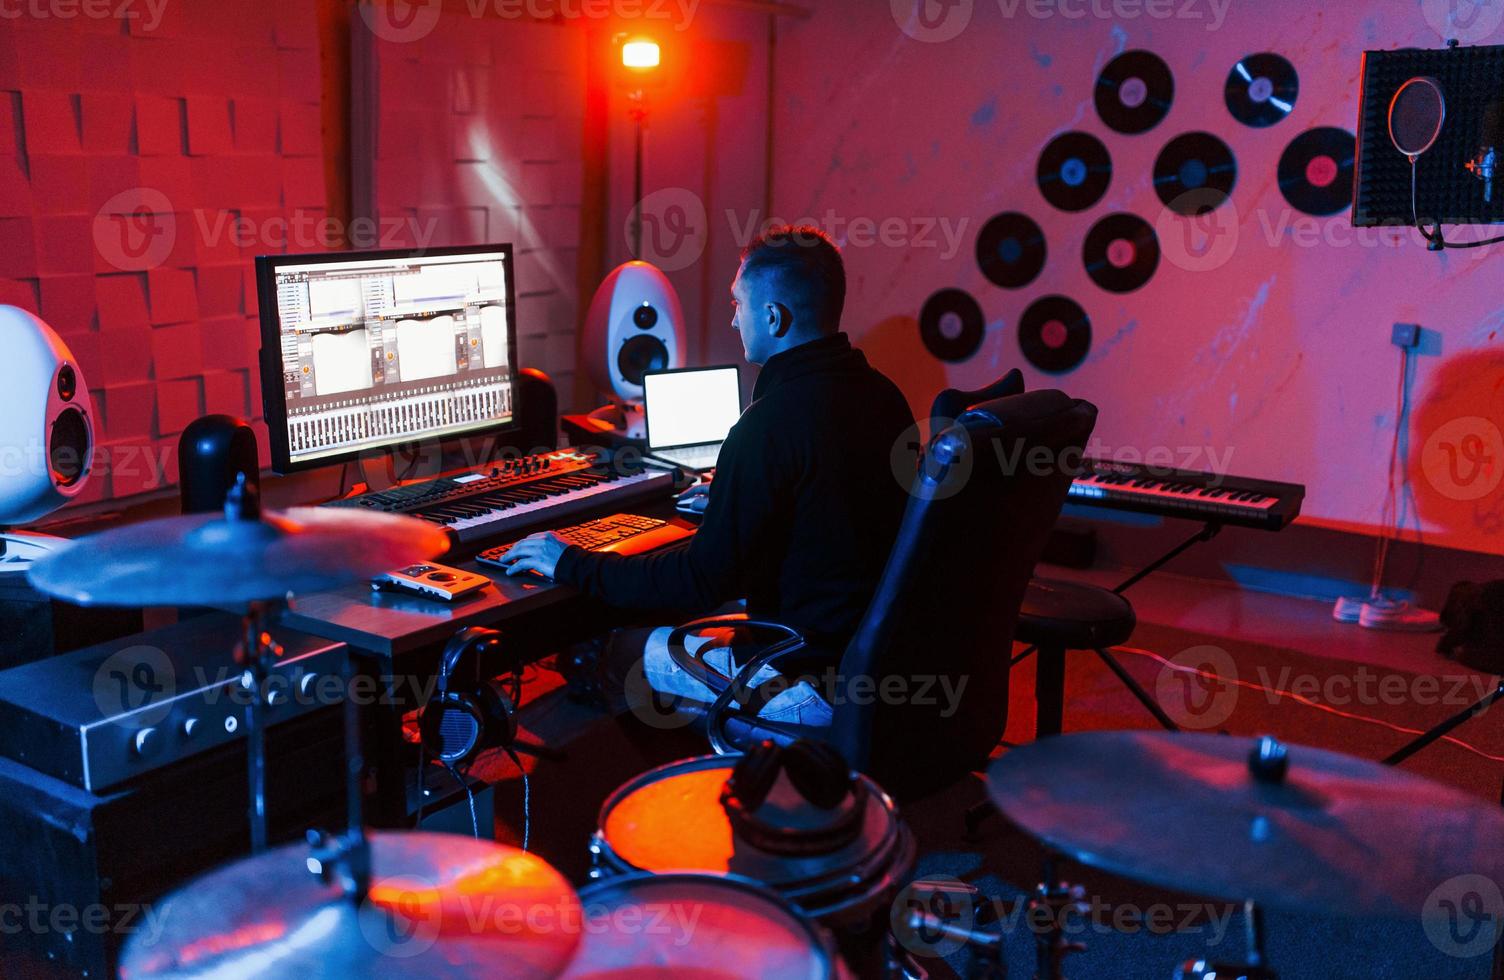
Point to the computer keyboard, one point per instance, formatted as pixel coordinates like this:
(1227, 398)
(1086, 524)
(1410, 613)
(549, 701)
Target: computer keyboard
(623, 534)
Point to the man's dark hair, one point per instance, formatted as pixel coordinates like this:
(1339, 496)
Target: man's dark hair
(806, 266)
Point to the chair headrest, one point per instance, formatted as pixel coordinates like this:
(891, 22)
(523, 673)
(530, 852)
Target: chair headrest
(951, 402)
(1032, 406)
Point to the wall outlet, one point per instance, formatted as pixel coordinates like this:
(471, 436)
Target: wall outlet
(1405, 335)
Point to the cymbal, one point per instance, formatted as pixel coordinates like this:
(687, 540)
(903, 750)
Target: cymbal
(1337, 836)
(206, 559)
(440, 905)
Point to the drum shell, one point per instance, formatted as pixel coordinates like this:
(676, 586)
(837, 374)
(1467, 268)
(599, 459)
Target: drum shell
(851, 895)
(601, 893)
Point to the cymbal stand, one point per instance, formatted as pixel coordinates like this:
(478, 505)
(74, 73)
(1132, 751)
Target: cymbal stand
(257, 654)
(1056, 901)
(1254, 968)
(345, 859)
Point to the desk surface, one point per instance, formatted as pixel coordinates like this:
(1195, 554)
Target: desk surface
(391, 624)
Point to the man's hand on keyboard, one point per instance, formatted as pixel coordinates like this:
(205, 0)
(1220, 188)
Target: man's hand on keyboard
(535, 553)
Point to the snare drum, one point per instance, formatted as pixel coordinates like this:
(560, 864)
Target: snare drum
(712, 927)
(671, 819)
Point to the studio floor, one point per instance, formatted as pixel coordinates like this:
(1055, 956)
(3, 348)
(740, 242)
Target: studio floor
(1294, 673)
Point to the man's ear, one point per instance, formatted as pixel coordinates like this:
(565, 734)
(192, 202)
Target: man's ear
(780, 319)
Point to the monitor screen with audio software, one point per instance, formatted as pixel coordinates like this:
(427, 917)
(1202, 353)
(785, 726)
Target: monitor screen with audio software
(365, 351)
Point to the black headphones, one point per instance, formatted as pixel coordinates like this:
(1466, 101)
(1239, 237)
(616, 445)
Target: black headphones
(456, 725)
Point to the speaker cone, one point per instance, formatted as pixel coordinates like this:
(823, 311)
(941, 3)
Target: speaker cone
(640, 355)
(68, 447)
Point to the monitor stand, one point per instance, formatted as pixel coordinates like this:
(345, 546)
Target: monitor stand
(625, 419)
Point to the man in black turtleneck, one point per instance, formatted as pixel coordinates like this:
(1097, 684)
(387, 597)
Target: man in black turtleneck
(805, 504)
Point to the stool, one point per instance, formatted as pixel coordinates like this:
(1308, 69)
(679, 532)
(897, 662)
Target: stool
(1057, 616)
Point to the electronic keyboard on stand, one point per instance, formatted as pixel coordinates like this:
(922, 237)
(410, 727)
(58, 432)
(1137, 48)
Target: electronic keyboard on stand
(1243, 501)
(519, 495)
(1214, 499)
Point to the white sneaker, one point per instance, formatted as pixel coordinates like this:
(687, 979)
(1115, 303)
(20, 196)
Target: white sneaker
(1397, 615)
(1348, 609)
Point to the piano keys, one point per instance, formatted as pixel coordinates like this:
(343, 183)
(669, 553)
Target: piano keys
(1188, 494)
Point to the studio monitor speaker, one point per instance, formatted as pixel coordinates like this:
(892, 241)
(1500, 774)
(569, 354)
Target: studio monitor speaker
(46, 420)
(635, 325)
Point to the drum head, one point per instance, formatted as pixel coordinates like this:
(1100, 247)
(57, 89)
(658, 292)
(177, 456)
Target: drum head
(699, 926)
(671, 819)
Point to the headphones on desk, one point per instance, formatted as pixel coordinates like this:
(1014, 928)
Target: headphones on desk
(456, 725)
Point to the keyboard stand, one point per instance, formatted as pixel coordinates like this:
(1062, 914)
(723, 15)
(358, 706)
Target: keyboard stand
(1208, 531)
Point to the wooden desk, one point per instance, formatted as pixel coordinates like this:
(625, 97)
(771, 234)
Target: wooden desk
(389, 625)
(396, 639)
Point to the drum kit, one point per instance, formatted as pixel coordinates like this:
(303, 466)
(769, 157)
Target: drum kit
(776, 863)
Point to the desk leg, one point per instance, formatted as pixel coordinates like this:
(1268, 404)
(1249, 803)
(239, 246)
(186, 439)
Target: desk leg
(383, 725)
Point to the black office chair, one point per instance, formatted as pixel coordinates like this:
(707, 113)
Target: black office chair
(1058, 616)
(944, 611)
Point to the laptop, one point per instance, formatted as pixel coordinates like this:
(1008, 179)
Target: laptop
(688, 412)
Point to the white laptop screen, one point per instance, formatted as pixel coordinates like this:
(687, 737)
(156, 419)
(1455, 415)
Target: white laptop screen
(690, 408)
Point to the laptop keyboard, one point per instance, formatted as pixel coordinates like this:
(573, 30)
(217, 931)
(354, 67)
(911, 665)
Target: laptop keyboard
(692, 457)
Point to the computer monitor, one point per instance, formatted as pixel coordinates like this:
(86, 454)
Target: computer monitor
(365, 351)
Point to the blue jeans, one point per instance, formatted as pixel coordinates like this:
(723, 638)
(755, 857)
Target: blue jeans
(799, 704)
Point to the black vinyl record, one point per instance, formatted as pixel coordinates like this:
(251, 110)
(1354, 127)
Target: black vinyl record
(951, 325)
(1134, 92)
(1194, 162)
(1316, 170)
(1261, 89)
(1011, 250)
(1055, 334)
(1074, 171)
(1121, 252)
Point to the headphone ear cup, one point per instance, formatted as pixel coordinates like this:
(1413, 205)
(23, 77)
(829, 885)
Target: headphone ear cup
(499, 712)
(453, 727)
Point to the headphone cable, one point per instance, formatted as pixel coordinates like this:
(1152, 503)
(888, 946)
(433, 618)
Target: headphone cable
(527, 802)
(422, 782)
(469, 795)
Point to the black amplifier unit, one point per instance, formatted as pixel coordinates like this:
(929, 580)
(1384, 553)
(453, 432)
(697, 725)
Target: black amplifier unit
(109, 713)
(134, 781)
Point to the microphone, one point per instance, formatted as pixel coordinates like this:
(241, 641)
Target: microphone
(1485, 162)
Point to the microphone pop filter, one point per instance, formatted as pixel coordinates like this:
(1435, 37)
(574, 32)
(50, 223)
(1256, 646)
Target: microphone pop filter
(1415, 116)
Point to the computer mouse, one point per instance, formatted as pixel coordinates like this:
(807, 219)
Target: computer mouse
(694, 505)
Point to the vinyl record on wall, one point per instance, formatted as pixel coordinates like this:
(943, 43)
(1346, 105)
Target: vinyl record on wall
(1074, 171)
(1134, 92)
(1055, 334)
(951, 325)
(1261, 89)
(1010, 250)
(1194, 162)
(1316, 170)
(1121, 252)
